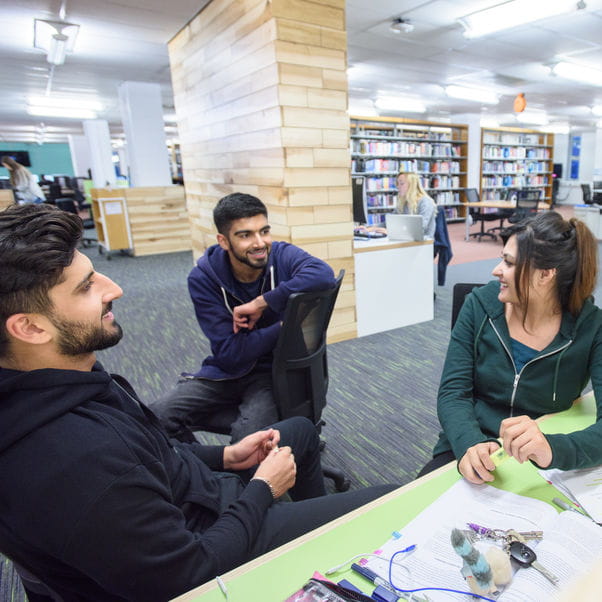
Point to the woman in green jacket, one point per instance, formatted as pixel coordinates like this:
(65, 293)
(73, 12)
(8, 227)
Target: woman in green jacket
(523, 346)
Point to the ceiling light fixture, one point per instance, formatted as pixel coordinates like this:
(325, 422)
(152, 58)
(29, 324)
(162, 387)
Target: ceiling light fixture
(55, 38)
(580, 73)
(399, 104)
(62, 102)
(597, 110)
(534, 117)
(512, 14)
(401, 25)
(474, 94)
(68, 113)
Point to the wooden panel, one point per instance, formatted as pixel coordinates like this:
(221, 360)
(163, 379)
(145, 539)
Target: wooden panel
(6, 198)
(261, 96)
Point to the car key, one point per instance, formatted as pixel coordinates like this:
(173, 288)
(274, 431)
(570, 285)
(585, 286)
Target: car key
(526, 557)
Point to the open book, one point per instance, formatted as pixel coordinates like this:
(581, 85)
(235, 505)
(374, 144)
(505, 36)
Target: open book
(570, 543)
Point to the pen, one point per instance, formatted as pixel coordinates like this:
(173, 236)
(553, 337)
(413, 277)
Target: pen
(372, 576)
(566, 506)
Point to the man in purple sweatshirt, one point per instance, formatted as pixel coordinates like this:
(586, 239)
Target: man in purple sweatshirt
(239, 289)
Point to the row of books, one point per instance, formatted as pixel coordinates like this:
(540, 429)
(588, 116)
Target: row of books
(515, 152)
(515, 181)
(401, 133)
(413, 165)
(499, 194)
(516, 167)
(389, 201)
(508, 138)
(424, 149)
(428, 182)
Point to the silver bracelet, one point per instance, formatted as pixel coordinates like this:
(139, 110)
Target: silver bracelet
(267, 483)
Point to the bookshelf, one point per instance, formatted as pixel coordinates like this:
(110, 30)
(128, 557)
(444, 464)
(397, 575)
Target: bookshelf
(438, 152)
(516, 158)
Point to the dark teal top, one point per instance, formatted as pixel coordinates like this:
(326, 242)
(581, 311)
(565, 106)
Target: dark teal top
(521, 354)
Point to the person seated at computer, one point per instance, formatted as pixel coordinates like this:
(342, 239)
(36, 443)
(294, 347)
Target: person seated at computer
(26, 188)
(412, 199)
(525, 345)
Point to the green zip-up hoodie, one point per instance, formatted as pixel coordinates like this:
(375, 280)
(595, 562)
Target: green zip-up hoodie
(480, 385)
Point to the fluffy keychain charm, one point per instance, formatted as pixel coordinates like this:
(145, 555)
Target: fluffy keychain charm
(483, 573)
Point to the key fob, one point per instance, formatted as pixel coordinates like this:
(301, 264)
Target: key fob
(523, 554)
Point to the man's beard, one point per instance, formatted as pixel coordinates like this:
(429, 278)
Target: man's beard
(80, 338)
(257, 265)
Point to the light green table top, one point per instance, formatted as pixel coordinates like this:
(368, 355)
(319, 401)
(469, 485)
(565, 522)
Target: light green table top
(280, 573)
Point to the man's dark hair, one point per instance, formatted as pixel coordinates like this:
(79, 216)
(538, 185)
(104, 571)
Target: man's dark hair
(37, 242)
(236, 206)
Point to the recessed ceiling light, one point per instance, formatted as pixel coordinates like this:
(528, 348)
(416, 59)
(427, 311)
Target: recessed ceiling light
(513, 13)
(474, 94)
(400, 104)
(580, 73)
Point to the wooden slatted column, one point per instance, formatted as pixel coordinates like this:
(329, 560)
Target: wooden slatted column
(261, 97)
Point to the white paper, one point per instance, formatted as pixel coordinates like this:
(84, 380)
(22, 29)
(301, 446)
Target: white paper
(569, 541)
(113, 208)
(583, 485)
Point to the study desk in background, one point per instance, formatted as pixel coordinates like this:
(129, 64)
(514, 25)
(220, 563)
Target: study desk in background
(393, 284)
(278, 574)
(486, 205)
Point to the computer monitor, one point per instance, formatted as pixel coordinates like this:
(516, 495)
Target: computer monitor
(358, 188)
(21, 157)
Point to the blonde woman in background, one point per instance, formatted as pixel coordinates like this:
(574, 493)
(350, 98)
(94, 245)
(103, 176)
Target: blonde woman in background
(26, 188)
(413, 199)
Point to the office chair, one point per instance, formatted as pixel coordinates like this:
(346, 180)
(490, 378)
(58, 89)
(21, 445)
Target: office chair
(70, 206)
(54, 192)
(459, 294)
(479, 215)
(527, 204)
(511, 195)
(299, 367)
(586, 189)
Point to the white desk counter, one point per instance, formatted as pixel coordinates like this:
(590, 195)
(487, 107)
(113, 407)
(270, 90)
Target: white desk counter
(393, 284)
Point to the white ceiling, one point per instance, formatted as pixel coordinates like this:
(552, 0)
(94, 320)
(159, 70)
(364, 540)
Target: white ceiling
(125, 40)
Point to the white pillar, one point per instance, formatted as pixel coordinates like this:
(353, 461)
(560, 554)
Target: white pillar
(80, 155)
(99, 143)
(142, 117)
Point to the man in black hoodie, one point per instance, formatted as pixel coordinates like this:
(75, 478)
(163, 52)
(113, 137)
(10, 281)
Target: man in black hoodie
(96, 501)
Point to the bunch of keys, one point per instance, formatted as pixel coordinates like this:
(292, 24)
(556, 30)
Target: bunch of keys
(515, 546)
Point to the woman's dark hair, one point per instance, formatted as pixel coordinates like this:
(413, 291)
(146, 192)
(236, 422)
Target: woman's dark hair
(37, 242)
(236, 206)
(548, 241)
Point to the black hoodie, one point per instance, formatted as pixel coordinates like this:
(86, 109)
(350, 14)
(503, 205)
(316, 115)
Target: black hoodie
(99, 504)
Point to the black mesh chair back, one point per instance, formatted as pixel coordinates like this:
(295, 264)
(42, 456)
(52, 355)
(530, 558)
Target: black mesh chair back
(527, 204)
(460, 292)
(70, 206)
(299, 367)
(587, 194)
(479, 215)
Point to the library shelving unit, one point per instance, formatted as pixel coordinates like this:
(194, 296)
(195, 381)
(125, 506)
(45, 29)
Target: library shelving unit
(514, 158)
(437, 152)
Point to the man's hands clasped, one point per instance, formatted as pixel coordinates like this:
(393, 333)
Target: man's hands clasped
(276, 464)
(521, 438)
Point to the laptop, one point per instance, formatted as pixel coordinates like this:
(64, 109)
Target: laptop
(404, 227)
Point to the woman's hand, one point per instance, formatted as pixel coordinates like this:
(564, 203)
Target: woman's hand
(476, 465)
(523, 440)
